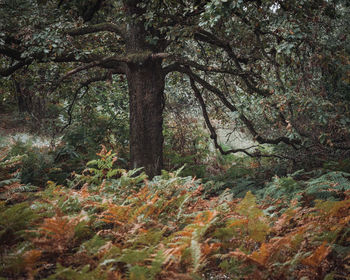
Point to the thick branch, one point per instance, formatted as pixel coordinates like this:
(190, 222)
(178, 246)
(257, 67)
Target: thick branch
(201, 67)
(10, 52)
(8, 71)
(101, 27)
(114, 62)
(104, 61)
(213, 134)
(117, 63)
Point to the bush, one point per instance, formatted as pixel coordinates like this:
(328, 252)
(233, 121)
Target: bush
(36, 163)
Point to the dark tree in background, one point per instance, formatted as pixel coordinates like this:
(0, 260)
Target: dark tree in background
(278, 69)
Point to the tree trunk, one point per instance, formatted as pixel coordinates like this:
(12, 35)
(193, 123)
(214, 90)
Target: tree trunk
(146, 88)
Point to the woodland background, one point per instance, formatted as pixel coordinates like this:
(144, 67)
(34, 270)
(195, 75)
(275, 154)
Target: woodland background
(204, 139)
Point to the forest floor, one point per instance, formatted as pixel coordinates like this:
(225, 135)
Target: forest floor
(127, 227)
(109, 223)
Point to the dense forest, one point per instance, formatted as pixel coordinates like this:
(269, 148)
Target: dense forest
(191, 139)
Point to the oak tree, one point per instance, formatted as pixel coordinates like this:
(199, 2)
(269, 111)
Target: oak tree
(276, 68)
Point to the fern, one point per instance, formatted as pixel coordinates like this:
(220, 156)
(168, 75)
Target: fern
(257, 225)
(25, 188)
(56, 234)
(13, 262)
(6, 164)
(329, 185)
(133, 257)
(14, 220)
(9, 182)
(285, 187)
(68, 273)
(157, 263)
(196, 254)
(148, 238)
(69, 205)
(125, 227)
(93, 245)
(137, 272)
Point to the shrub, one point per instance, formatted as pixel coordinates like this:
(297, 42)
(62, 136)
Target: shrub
(36, 163)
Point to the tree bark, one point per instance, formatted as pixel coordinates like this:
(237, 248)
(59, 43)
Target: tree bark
(146, 88)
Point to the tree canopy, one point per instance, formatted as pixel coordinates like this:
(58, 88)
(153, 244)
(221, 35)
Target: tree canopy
(277, 69)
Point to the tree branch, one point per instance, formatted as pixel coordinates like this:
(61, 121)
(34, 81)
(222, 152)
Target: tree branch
(101, 27)
(117, 63)
(233, 108)
(213, 134)
(10, 52)
(8, 71)
(205, 36)
(201, 67)
(101, 62)
(84, 84)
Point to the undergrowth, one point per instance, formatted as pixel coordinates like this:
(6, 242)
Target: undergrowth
(110, 223)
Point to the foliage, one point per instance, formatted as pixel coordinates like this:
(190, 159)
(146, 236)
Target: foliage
(14, 221)
(11, 189)
(276, 71)
(118, 225)
(35, 164)
(238, 174)
(185, 144)
(104, 123)
(329, 185)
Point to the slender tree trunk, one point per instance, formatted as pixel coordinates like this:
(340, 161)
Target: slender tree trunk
(146, 88)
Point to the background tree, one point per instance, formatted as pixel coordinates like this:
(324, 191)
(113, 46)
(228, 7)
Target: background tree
(278, 69)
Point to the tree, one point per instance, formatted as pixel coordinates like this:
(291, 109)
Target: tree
(266, 56)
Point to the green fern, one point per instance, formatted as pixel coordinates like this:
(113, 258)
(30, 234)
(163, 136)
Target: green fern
(69, 273)
(93, 245)
(14, 220)
(328, 185)
(24, 189)
(137, 272)
(257, 225)
(285, 187)
(12, 265)
(69, 205)
(130, 256)
(9, 182)
(157, 263)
